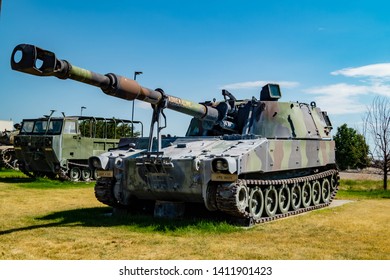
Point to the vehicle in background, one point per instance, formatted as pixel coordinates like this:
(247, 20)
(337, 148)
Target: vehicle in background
(8, 131)
(59, 147)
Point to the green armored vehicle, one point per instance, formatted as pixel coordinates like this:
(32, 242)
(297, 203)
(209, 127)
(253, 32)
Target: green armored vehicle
(7, 151)
(257, 159)
(59, 147)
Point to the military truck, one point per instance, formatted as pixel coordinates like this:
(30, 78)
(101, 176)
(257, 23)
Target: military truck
(59, 147)
(257, 159)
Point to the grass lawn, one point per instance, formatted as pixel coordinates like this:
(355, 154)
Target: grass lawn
(45, 219)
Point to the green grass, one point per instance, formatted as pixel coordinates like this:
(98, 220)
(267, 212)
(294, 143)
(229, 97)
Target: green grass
(102, 216)
(18, 178)
(361, 189)
(10, 173)
(44, 219)
(142, 223)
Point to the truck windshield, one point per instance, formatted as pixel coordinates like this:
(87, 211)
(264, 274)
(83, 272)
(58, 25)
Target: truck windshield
(41, 127)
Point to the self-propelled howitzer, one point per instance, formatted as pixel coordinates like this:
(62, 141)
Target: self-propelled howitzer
(253, 159)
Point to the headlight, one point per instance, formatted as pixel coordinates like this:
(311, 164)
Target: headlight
(98, 162)
(224, 165)
(48, 142)
(95, 162)
(220, 165)
(118, 162)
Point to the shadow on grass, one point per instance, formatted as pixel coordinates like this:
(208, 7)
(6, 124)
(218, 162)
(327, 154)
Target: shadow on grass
(19, 180)
(44, 183)
(200, 221)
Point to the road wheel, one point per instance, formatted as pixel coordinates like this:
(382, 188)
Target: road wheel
(296, 196)
(306, 194)
(284, 199)
(271, 201)
(316, 193)
(256, 203)
(326, 190)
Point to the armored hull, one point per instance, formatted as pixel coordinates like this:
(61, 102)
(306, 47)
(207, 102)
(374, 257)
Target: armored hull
(248, 177)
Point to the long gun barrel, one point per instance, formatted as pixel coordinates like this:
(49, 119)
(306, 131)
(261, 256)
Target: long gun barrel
(36, 61)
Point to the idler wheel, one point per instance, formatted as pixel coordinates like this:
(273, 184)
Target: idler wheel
(316, 193)
(333, 182)
(296, 196)
(271, 201)
(256, 203)
(284, 199)
(306, 194)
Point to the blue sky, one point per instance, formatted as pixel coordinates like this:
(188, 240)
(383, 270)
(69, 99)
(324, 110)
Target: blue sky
(336, 53)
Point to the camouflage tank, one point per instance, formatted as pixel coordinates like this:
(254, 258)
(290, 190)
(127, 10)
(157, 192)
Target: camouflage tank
(255, 159)
(7, 151)
(59, 147)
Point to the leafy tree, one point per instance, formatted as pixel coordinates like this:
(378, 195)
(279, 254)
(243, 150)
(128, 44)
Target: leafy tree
(351, 148)
(106, 129)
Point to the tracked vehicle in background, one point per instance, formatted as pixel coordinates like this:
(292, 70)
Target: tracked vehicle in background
(7, 151)
(59, 147)
(255, 159)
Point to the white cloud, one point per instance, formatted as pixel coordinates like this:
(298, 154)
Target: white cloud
(340, 98)
(380, 70)
(340, 105)
(258, 85)
(379, 87)
(343, 98)
(341, 89)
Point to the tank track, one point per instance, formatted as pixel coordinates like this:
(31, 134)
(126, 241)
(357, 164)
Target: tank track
(228, 200)
(103, 192)
(8, 158)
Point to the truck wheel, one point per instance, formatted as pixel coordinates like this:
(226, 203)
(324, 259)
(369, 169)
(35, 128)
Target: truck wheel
(86, 174)
(75, 173)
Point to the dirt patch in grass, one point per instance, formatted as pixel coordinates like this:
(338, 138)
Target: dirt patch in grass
(369, 173)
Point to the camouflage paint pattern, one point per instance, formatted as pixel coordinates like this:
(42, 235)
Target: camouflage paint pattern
(291, 137)
(188, 168)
